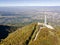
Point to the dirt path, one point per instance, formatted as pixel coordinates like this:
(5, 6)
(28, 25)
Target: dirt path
(38, 33)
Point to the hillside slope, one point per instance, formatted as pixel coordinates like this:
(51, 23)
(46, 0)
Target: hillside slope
(5, 30)
(45, 37)
(27, 34)
(21, 36)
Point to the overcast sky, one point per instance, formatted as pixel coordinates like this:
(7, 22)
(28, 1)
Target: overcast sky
(29, 2)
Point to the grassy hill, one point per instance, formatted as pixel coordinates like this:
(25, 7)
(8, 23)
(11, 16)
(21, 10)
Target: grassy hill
(27, 34)
(5, 30)
(45, 37)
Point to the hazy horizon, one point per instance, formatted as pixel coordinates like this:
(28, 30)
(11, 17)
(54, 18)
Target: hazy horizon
(29, 2)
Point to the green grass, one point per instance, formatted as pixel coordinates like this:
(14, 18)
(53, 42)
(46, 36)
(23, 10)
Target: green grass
(57, 28)
(20, 36)
(26, 35)
(44, 38)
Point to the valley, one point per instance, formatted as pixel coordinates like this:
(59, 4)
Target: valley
(28, 25)
(26, 15)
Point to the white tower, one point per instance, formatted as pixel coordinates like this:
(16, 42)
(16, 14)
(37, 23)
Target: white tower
(45, 23)
(45, 20)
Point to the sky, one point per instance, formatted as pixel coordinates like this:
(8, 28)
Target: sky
(29, 2)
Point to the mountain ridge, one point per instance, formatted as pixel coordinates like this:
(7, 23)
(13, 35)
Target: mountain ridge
(27, 34)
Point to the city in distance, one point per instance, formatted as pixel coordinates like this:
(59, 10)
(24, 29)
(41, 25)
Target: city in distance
(30, 25)
(27, 14)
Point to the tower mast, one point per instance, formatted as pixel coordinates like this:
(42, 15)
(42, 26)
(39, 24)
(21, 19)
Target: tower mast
(45, 20)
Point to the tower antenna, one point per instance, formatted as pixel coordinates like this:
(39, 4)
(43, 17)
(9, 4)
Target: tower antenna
(45, 20)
